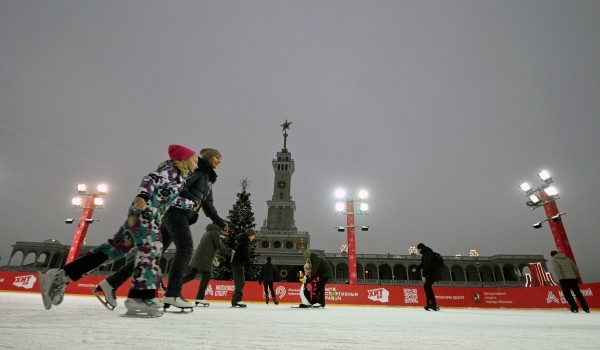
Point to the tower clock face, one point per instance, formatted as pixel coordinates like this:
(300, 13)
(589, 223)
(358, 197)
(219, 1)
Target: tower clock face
(281, 184)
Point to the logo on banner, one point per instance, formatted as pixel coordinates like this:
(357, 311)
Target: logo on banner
(209, 291)
(551, 298)
(280, 292)
(26, 281)
(380, 294)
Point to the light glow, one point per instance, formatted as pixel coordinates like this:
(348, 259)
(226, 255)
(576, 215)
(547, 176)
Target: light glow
(363, 194)
(525, 187)
(551, 191)
(340, 193)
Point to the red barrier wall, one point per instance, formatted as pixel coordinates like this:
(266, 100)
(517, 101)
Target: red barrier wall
(374, 295)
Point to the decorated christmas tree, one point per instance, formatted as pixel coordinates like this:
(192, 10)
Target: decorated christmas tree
(240, 219)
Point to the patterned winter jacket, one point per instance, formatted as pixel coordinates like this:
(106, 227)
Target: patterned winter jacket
(160, 189)
(564, 267)
(199, 187)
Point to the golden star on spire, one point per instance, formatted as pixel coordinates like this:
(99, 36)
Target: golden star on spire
(285, 125)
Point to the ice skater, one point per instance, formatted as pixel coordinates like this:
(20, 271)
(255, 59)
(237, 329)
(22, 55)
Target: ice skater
(267, 277)
(204, 259)
(567, 273)
(176, 228)
(158, 191)
(309, 289)
(240, 260)
(322, 270)
(430, 273)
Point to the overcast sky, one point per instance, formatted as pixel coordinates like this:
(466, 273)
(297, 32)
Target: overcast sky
(439, 108)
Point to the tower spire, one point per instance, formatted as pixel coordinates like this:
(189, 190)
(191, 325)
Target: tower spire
(285, 127)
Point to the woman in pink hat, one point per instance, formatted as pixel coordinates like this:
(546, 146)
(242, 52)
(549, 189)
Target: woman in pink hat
(158, 191)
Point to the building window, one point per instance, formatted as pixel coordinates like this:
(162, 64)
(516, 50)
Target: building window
(289, 245)
(265, 244)
(277, 244)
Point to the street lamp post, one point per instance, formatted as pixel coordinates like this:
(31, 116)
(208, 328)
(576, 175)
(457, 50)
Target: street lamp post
(348, 207)
(546, 196)
(93, 201)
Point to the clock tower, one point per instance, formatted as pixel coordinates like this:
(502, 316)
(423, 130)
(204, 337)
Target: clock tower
(279, 232)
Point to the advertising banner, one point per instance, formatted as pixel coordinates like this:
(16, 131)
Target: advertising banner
(346, 294)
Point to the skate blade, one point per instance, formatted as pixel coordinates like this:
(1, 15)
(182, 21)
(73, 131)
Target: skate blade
(102, 300)
(135, 314)
(182, 310)
(44, 292)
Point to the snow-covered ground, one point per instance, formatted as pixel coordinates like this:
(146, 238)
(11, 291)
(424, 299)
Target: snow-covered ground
(81, 322)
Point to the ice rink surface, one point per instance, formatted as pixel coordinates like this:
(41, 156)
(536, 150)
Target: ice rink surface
(81, 322)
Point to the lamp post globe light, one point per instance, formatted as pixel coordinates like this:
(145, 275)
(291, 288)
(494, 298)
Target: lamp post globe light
(545, 196)
(94, 200)
(346, 205)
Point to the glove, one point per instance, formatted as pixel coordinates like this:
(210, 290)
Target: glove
(215, 262)
(232, 254)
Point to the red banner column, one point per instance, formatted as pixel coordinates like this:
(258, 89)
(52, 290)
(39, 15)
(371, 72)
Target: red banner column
(351, 242)
(82, 227)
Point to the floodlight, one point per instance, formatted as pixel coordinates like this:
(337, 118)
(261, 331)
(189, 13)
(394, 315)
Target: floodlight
(341, 228)
(363, 194)
(545, 176)
(551, 191)
(69, 221)
(340, 193)
(98, 202)
(364, 207)
(76, 201)
(525, 187)
(340, 206)
(102, 189)
(537, 225)
(81, 188)
(364, 228)
(557, 217)
(534, 199)
(89, 221)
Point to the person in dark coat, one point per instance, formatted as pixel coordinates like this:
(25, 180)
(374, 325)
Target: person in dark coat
(567, 273)
(430, 274)
(267, 277)
(322, 270)
(175, 228)
(239, 261)
(204, 259)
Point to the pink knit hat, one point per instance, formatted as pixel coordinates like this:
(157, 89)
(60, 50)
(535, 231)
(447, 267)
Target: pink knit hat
(178, 152)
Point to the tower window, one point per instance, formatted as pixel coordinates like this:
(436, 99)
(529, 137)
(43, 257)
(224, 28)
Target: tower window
(277, 244)
(289, 245)
(265, 244)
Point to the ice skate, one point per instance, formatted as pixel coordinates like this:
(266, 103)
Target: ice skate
(144, 307)
(202, 302)
(109, 298)
(275, 301)
(44, 292)
(267, 299)
(316, 305)
(53, 284)
(240, 304)
(178, 302)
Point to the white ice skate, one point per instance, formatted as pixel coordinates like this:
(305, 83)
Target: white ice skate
(109, 300)
(53, 285)
(201, 302)
(179, 302)
(143, 307)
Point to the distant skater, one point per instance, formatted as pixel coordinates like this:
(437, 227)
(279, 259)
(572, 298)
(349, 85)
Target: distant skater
(267, 277)
(430, 273)
(567, 273)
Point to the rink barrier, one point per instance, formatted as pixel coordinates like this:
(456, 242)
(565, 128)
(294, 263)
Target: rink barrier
(547, 297)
